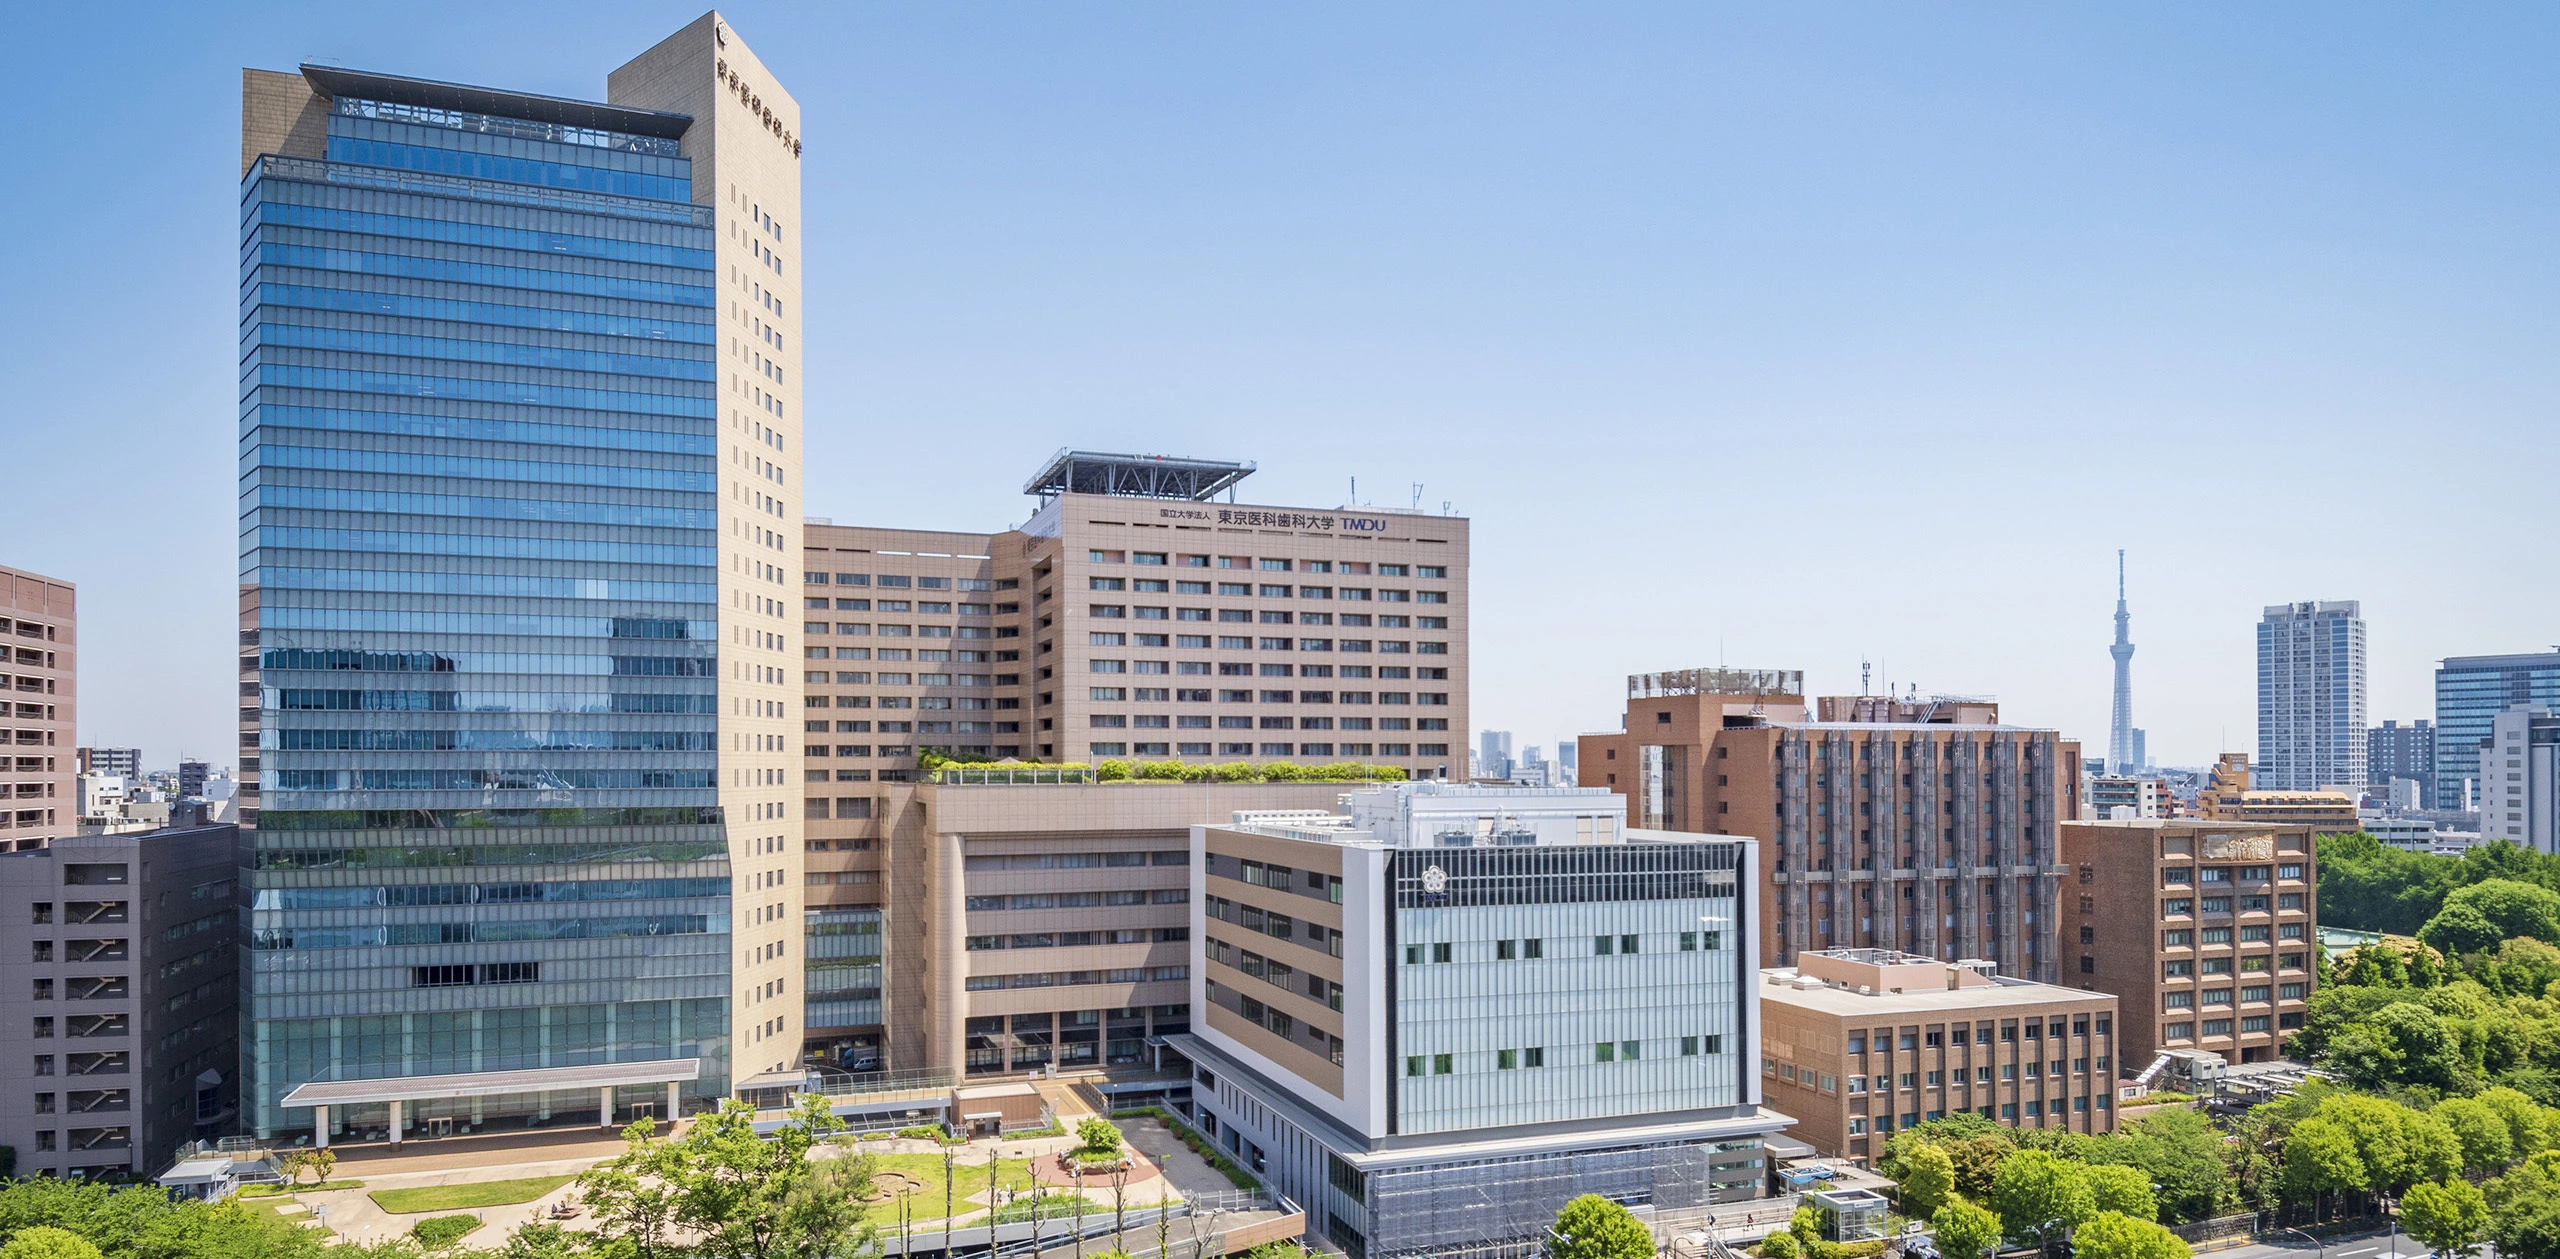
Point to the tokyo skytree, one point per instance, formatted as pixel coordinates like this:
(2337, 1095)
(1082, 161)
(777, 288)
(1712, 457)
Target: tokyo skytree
(2120, 730)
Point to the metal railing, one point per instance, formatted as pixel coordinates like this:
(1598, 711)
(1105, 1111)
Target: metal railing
(918, 1080)
(1026, 776)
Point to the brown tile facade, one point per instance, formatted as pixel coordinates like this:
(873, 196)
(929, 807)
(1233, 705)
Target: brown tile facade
(1932, 837)
(1853, 1067)
(2202, 929)
(38, 708)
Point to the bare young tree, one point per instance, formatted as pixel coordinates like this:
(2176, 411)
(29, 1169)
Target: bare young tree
(1075, 1172)
(906, 1220)
(1120, 1204)
(950, 1188)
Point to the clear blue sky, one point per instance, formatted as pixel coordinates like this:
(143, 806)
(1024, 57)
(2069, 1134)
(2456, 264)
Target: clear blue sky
(1786, 334)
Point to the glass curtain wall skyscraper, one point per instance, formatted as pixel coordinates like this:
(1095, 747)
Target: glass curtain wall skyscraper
(2470, 692)
(515, 667)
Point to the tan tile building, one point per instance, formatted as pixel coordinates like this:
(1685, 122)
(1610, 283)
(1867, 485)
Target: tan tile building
(1924, 826)
(995, 928)
(38, 624)
(1127, 621)
(1859, 1043)
(2227, 797)
(2203, 929)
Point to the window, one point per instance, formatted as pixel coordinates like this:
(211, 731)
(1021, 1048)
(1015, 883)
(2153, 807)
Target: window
(1689, 1049)
(1607, 1051)
(1443, 1064)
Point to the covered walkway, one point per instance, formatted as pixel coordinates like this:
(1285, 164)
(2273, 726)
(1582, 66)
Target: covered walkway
(604, 1077)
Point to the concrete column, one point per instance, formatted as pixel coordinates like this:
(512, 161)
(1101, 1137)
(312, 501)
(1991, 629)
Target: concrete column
(395, 1123)
(947, 1001)
(320, 1127)
(675, 1101)
(604, 1104)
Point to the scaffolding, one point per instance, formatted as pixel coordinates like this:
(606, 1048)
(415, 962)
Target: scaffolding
(1789, 682)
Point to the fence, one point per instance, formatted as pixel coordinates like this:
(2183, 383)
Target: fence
(1194, 1229)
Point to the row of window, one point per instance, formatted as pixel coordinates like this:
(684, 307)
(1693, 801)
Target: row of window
(1434, 699)
(2180, 876)
(2010, 1031)
(2189, 937)
(2249, 1025)
(927, 607)
(1081, 939)
(1244, 590)
(2008, 1112)
(1268, 749)
(1076, 978)
(2184, 906)
(2009, 1072)
(1160, 721)
(1278, 926)
(903, 581)
(1237, 616)
(1076, 900)
(859, 630)
(1273, 971)
(1418, 1065)
(2250, 994)
(2186, 966)
(1201, 668)
(1530, 949)
(1266, 564)
(1234, 669)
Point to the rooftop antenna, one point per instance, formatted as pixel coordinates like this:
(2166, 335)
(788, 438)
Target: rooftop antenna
(1866, 677)
(1417, 496)
(1355, 493)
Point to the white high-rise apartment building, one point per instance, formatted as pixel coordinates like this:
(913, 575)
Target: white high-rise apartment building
(2519, 770)
(2311, 696)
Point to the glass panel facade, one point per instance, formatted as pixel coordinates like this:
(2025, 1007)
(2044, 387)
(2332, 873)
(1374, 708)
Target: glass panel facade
(2469, 691)
(479, 658)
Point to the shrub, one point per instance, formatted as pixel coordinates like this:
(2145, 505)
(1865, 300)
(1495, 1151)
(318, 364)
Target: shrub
(922, 1132)
(439, 1231)
(1779, 1244)
(1100, 1136)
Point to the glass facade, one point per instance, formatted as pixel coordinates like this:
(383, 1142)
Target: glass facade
(2469, 691)
(479, 521)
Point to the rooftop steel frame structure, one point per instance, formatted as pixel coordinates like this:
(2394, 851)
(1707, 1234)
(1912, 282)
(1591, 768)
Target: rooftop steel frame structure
(1136, 476)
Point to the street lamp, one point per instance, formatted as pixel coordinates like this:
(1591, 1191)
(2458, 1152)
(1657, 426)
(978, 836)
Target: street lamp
(2044, 1243)
(2319, 1249)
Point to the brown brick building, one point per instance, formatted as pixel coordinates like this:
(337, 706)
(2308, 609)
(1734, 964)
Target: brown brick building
(1923, 826)
(39, 717)
(2202, 929)
(1859, 1043)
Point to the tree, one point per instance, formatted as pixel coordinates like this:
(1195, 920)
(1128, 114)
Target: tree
(2320, 1157)
(1965, 1231)
(2182, 1153)
(2111, 1235)
(1928, 1179)
(2460, 929)
(2123, 1190)
(2035, 1187)
(1779, 1244)
(2487, 1146)
(46, 1242)
(1100, 1137)
(2524, 1211)
(747, 1196)
(1593, 1227)
(2513, 909)
(2447, 1215)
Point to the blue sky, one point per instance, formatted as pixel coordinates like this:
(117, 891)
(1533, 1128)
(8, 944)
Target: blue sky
(1786, 335)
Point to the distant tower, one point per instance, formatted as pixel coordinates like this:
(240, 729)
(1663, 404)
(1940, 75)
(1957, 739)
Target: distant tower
(2120, 751)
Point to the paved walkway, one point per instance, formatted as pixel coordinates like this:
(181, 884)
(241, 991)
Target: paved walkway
(380, 1158)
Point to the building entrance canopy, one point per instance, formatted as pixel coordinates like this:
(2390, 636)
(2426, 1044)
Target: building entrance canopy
(603, 1077)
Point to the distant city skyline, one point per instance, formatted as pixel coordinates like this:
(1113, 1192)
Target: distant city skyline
(1779, 251)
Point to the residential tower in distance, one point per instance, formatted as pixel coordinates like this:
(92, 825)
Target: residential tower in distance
(39, 623)
(2311, 696)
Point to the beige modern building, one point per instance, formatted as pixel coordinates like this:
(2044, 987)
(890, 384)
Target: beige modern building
(1919, 825)
(2227, 797)
(990, 928)
(2203, 929)
(1857, 1044)
(37, 630)
(1131, 617)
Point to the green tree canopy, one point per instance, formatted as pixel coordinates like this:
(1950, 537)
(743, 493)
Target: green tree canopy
(1928, 1180)
(2112, 1235)
(2123, 1190)
(1965, 1231)
(2524, 1211)
(2035, 1187)
(1593, 1227)
(2446, 1215)
(47, 1242)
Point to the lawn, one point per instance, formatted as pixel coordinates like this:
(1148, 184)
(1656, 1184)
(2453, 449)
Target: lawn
(924, 1171)
(278, 1191)
(486, 1193)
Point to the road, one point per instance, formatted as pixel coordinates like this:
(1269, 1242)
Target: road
(2360, 1246)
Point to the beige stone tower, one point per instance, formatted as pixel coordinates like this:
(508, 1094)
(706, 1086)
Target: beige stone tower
(745, 147)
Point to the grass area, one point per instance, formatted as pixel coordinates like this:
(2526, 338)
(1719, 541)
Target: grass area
(439, 1231)
(486, 1193)
(278, 1191)
(925, 1202)
(1048, 1206)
